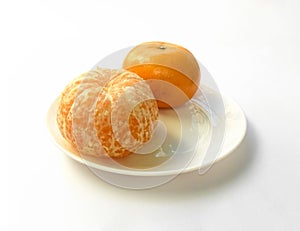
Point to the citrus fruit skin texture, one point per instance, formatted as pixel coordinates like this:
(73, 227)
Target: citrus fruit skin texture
(107, 112)
(169, 63)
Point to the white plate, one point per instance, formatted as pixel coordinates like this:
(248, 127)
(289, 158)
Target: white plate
(201, 132)
(163, 164)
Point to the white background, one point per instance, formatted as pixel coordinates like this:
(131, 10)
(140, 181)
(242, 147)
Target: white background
(252, 49)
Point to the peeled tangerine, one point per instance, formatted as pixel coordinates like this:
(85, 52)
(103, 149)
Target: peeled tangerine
(107, 112)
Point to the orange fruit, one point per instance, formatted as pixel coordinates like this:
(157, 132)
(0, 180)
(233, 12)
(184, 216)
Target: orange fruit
(164, 64)
(107, 113)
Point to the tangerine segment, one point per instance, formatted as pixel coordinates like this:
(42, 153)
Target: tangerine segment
(85, 111)
(64, 112)
(130, 113)
(167, 62)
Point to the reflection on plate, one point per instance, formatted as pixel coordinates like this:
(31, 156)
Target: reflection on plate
(162, 161)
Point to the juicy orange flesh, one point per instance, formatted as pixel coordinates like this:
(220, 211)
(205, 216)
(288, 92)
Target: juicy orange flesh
(86, 127)
(139, 120)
